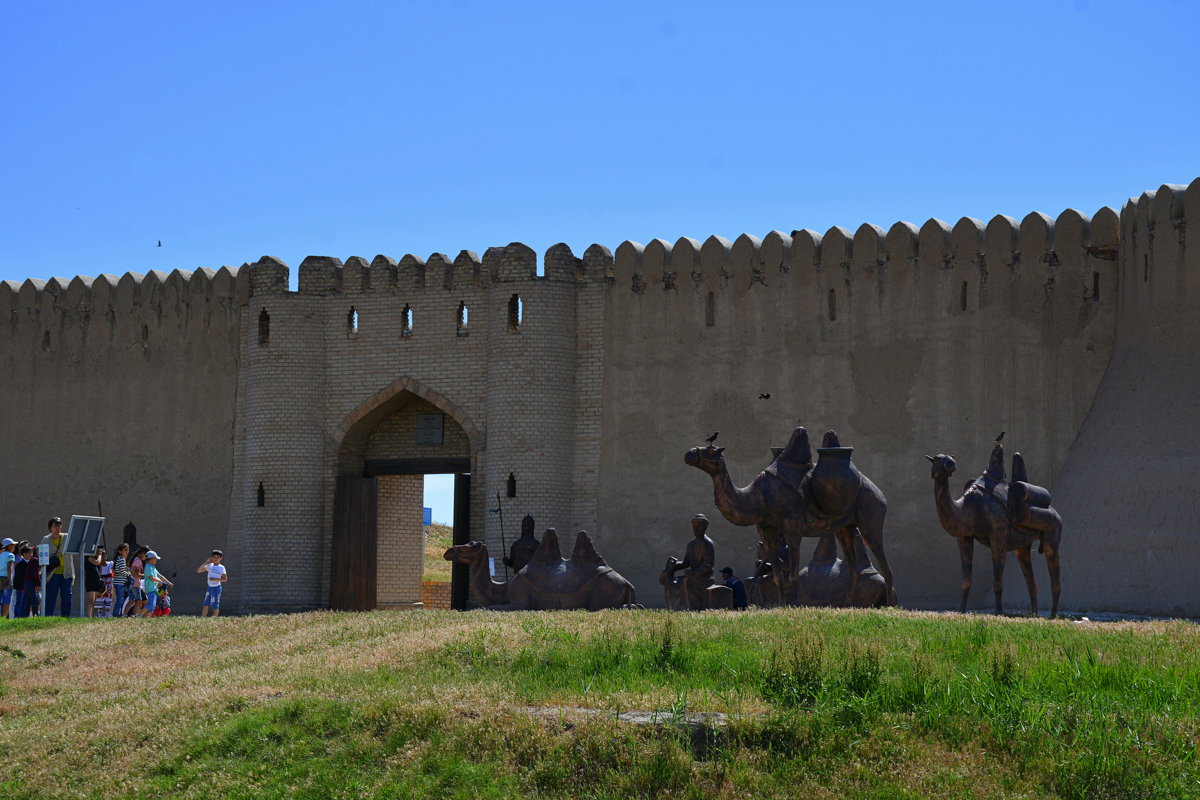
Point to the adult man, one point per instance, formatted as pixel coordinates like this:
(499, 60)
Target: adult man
(7, 575)
(699, 561)
(216, 577)
(61, 570)
(735, 583)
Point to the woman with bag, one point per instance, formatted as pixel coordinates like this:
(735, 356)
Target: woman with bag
(93, 584)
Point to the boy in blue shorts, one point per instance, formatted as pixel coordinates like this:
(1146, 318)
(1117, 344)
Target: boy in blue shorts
(153, 579)
(216, 577)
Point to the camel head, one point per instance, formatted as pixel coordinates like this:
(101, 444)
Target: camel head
(708, 459)
(943, 466)
(470, 553)
(669, 570)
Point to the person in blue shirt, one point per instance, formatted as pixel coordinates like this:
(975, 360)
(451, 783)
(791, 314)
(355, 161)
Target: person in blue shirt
(739, 588)
(8, 579)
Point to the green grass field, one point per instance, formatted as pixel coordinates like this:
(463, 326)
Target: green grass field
(822, 704)
(438, 538)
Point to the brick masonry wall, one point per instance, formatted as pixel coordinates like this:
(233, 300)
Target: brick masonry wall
(401, 541)
(435, 595)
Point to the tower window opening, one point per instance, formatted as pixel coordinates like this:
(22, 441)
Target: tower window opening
(515, 312)
(832, 301)
(145, 335)
(264, 327)
(262, 496)
(463, 318)
(962, 297)
(511, 488)
(710, 311)
(1145, 269)
(46, 341)
(406, 322)
(352, 321)
(1095, 286)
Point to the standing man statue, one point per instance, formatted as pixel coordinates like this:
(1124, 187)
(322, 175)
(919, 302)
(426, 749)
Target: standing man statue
(698, 563)
(522, 549)
(61, 570)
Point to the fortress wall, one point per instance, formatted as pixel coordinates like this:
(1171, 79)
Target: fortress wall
(906, 341)
(283, 440)
(1127, 488)
(531, 396)
(120, 392)
(511, 389)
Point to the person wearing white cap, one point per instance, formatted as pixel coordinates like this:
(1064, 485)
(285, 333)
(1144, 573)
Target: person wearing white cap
(7, 576)
(152, 578)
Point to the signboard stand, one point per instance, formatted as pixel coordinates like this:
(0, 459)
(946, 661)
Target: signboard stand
(83, 537)
(43, 551)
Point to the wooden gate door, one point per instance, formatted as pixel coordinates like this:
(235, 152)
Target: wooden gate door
(352, 585)
(460, 576)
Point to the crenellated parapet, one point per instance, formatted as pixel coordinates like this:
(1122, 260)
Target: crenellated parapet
(964, 266)
(107, 295)
(1160, 283)
(1041, 266)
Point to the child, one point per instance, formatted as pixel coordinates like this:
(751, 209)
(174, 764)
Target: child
(152, 579)
(216, 577)
(162, 606)
(29, 574)
(8, 570)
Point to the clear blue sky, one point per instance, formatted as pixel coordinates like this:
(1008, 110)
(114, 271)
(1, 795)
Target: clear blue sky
(233, 130)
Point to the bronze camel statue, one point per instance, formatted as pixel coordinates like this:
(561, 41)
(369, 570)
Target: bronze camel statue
(1002, 516)
(795, 498)
(548, 581)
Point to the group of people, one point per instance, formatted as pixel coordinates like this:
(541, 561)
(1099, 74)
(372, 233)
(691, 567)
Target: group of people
(130, 585)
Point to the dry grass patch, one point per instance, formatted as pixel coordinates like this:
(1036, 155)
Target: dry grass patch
(438, 539)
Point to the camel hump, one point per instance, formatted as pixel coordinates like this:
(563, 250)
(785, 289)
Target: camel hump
(584, 556)
(548, 553)
(1018, 469)
(995, 467)
(798, 448)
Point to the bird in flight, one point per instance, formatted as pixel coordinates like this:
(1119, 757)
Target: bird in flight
(713, 438)
(160, 242)
(765, 396)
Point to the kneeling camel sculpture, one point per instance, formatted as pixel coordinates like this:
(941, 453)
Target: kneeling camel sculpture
(548, 581)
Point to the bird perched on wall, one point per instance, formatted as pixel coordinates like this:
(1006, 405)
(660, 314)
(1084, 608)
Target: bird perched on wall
(765, 396)
(1000, 438)
(713, 438)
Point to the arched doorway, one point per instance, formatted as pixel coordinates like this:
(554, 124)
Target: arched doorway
(389, 445)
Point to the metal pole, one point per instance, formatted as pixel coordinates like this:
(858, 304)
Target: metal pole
(42, 602)
(503, 543)
(78, 575)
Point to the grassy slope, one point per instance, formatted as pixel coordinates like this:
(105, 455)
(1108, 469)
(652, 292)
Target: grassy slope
(438, 539)
(830, 704)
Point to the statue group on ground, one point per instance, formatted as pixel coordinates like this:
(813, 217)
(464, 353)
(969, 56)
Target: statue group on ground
(795, 497)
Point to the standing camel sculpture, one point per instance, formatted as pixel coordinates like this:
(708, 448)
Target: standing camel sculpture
(1002, 516)
(795, 498)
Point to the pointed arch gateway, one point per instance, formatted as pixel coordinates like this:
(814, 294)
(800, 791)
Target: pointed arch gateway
(386, 446)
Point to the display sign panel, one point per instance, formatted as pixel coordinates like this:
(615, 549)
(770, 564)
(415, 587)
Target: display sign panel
(83, 535)
(429, 429)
